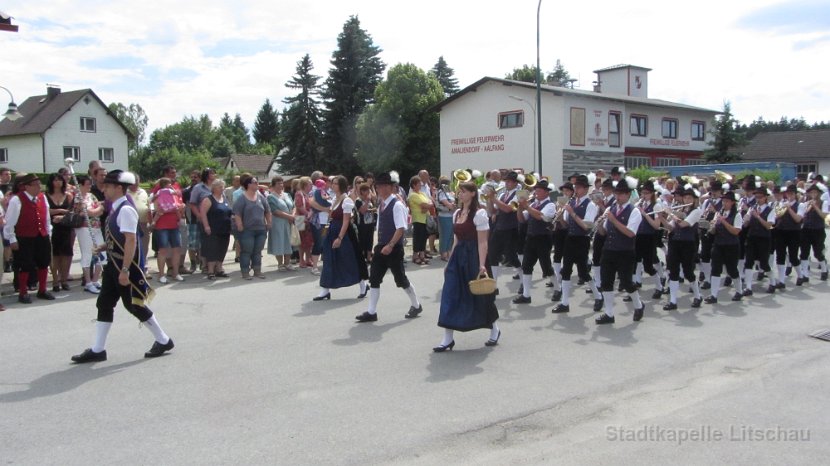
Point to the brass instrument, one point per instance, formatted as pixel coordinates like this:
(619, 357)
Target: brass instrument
(462, 176)
(690, 179)
(561, 202)
(714, 223)
(530, 181)
(723, 177)
(781, 208)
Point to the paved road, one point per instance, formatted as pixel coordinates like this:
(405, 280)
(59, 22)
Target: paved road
(262, 375)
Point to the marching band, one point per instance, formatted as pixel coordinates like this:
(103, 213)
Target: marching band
(615, 231)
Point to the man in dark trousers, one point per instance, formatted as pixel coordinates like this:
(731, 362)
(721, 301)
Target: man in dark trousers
(388, 253)
(123, 276)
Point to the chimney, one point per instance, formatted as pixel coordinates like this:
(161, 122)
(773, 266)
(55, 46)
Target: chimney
(52, 90)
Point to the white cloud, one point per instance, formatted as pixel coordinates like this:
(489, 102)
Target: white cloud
(701, 53)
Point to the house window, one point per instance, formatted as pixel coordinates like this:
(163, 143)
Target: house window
(633, 162)
(511, 119)
(668, 161)
(698, 130)
(88, 124)
(72, 152)
(639, 125)
(669, 128)
(614, 129)
(105, 154)
(802, 169)
(4, 155)
(696, 161)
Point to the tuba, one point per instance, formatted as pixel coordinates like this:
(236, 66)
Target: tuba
(462, 176)
(530, 181)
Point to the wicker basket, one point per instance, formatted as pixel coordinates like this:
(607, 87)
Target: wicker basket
(481, 286)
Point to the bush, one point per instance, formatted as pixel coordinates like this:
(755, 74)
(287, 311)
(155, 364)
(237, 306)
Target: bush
(644, 173)
(766, 175)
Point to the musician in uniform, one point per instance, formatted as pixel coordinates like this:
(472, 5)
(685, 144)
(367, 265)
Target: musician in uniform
(560, 232)
(758, 223)
(747, 202)
(645, 245)
(710, 206)
(388, 254)
(682, 222)
(618, 256)
(538, 242)
(812, 232)
(580, 213)
(505, 234)
(123, 276)
(789, 217)
(607, 201)
(725, 231)
(28, 229)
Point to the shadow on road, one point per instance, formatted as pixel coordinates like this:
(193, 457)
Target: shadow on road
(368, 332)
(456, 365)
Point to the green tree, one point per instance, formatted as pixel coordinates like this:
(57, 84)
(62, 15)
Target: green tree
(446, 76)
(235, 132)
(266, 127)
(356, 72)
(727, 139)
(134, 118)
(399, 131)
(188, 135)
(525, 74)
(559, 76)
(300, 126)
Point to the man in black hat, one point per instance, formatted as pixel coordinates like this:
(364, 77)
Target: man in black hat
(123, 276)
(618, 257)
(505, 234)
(727, 229)
(710, 206)
(28, 229)
(388, 253)
(646, 242)
(537, 215)
(580, 213)
(812, 232)
(598, 245)
(560, 232)
(759, 228)
(788, 235)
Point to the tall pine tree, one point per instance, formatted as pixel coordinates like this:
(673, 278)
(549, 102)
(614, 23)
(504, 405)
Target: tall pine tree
(266, 127)
(356, 71)
(446, 76)
(728, 140)
(301, 123)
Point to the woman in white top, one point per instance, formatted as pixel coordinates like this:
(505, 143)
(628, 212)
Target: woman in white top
(343, 262)
(460, 309)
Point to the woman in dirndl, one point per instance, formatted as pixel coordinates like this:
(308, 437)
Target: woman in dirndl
(460, 309)
(343, 262)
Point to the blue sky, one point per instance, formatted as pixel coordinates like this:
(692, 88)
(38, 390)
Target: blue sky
(214, 56)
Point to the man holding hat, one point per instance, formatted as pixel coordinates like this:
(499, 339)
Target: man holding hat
(123, 276)
(388, 253)
(538, 243)
(28, 228)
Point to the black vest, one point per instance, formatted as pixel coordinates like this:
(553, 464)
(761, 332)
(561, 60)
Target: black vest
(786, 222)
(755, 227)
(579, 210)
(538, 227)
(684, 233)
(812, 220)
(722, 235)
(616, 240)
(507, 220)
(645, 227)
(386, 220)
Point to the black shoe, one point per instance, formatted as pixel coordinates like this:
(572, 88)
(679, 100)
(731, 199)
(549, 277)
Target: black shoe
(748, 292)
(56, 288)
(604, 319)
(362, 295)
(548, 284)
(221, 274)
(738, 296)
(696, 302)
(557, 296)
(517, 276)
(727, 281)
(701, 277)
(580, 282)
(627, 299)
(320, 298)
(45, 295)
(413, 312)
(771, 289)
(711, 300)
(598, 304)
(159, 349)
(800, 281)
(681, 280)
(670, 307)
(588, 291)
(788, 271)
(657, 294)
(561, 309)
(823, 276)
(366, 317)
(638, 313)
(521, 290)
(780, 286)
(638, 285)
(521, 300)
(7, 268)
(620, 289)
(761, 276)
(706, 286)
(89, 356)
(24, 298)
(496, 292)
(442, 348)
(491, 342)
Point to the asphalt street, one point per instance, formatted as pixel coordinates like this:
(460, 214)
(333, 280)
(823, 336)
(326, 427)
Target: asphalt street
(263, 375)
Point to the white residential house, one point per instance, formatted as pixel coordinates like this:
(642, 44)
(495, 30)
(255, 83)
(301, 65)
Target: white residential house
(60, 125)
(492, 124)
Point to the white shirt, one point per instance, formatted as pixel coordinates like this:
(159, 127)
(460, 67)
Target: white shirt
(590, 211)
(13, 214)
(348, 205)
(634, 219)
(549, 210)
(692, 218)
(399, 213)
(127, 220)
(480, 220)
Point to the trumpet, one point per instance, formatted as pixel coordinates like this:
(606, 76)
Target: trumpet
(781, 209)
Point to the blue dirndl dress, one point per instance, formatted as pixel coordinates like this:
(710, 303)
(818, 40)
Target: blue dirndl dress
(344, 266)
(460, 309)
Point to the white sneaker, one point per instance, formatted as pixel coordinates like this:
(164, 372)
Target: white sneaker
(163, 279)
(90, 287)
(178, 278)
(315, 271)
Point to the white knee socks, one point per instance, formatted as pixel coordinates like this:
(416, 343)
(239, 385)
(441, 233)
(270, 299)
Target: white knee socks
(413, 299)
(101, 331)
(526, 284)
(154, 327)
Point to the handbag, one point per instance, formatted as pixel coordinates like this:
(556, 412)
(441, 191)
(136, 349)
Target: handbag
(482, 286)
(72, 220)
(295, 236)
(299, 222)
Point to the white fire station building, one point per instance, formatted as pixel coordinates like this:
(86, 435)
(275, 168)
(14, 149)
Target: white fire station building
(492, 124)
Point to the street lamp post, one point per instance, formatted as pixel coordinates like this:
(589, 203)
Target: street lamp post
(538, 89)
(533, 141)
(12, 113)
